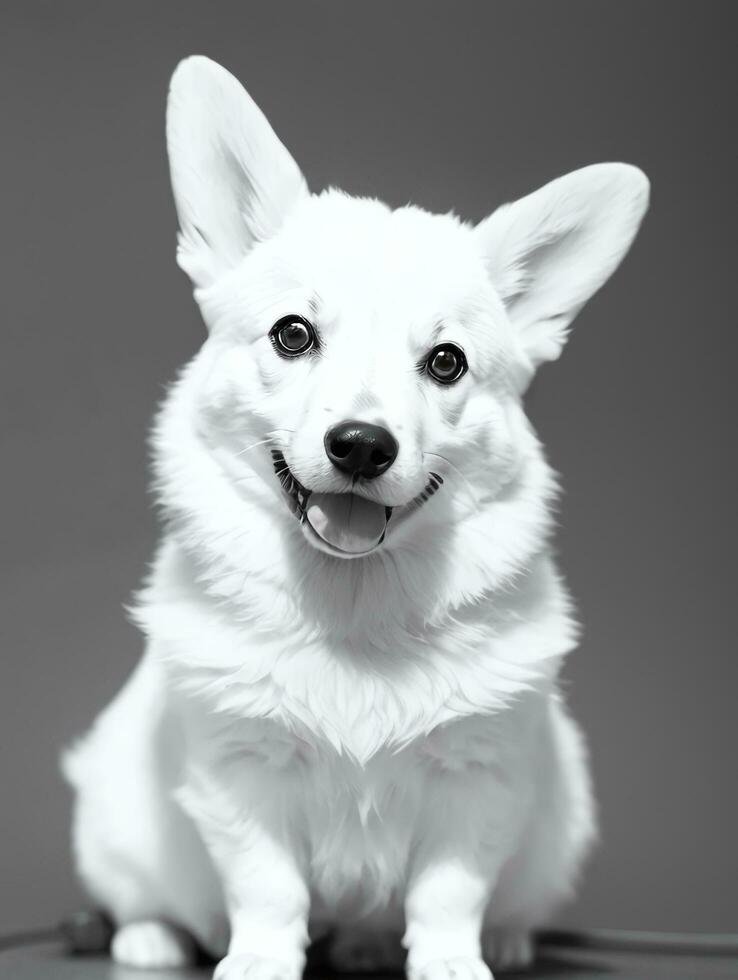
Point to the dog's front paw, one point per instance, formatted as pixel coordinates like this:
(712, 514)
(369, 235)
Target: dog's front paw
(245, 966)
(508, 949)
(455, 968)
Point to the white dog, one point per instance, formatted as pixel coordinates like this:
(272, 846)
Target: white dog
(347, 717)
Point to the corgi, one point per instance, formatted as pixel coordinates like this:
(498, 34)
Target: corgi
(347, 721)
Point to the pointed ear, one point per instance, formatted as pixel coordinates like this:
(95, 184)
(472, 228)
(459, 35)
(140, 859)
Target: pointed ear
(550, 251)
(233, 181)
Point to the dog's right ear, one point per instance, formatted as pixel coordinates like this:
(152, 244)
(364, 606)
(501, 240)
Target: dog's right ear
(233, 180)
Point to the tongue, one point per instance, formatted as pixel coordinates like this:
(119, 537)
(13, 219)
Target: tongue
(350, 523)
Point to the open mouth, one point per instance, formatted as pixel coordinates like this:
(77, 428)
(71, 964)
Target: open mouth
(346, 524)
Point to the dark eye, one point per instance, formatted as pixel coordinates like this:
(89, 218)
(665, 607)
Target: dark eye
(292, 335)
(446, 363)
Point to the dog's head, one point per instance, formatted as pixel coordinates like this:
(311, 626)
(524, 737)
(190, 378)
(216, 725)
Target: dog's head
(362, 360)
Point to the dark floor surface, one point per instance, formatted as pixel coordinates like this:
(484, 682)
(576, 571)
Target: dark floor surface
(48, 963)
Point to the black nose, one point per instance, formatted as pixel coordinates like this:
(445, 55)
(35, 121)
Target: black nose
(361, 449)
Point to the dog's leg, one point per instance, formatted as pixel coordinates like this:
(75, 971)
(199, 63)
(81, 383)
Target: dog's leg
(470, 826)
(444, 908)
(559, 831)
(252, 845)
(139, 856)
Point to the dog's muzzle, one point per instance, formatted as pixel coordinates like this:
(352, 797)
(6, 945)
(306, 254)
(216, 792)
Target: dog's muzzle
(343, 524)
(346, 523)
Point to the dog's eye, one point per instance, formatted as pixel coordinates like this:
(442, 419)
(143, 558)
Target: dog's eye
(292, 335)
(446, 363)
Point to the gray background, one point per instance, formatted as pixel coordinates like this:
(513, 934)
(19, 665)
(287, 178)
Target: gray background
(459, 105)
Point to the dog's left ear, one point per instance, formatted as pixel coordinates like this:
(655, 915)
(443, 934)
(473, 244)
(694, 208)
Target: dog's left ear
(550, 251)
(233, 181)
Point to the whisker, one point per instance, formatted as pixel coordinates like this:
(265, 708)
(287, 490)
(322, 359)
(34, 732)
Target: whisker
(262, 442)
(253, 445)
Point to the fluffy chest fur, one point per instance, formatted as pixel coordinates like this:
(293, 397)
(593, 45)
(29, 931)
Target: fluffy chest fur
(363, 692)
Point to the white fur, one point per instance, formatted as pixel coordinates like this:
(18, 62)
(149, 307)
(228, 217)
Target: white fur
(376, 745)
